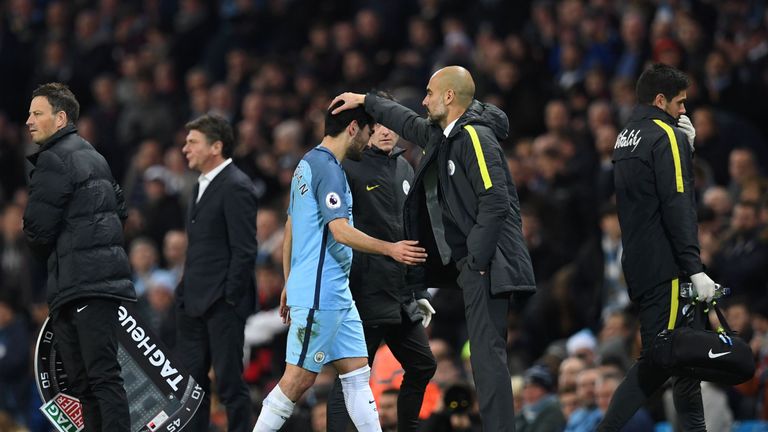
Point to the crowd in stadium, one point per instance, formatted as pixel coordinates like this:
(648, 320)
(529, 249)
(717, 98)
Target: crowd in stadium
(563, 71)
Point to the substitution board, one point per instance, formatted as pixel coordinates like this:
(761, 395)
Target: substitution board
(161, 395)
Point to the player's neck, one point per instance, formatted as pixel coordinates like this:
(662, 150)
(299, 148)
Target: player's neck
(336, 145)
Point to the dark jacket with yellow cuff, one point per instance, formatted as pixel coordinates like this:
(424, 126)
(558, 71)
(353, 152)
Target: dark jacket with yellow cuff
(656, 201)
(481, 211)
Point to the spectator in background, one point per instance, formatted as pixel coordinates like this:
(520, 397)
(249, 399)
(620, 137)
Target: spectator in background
(14, 360)
(599, 287)
(582, 344)
(635, 45)
(570, 368)
(605, 139)
(144, 261)
(541, 410)
(149, 153)
(742, 258)
(146, 117)
(742, 167)
(161, 211)
(718, 200)
(606, 386)
(175, 253)
(16, 260)
(713, 145)
(156, 305)
(587, 416)
(388, 410)
(269, 233)
(459, 413)
(569, 402)
(12, 172)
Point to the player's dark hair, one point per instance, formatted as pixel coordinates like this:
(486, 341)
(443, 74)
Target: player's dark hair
(335, 124)
(660, 78)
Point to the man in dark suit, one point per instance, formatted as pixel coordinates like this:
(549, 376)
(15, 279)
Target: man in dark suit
(217, 291)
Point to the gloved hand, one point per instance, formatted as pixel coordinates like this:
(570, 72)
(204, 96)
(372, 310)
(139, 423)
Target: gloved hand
(684, 123)
(705, 287)
(426, 309)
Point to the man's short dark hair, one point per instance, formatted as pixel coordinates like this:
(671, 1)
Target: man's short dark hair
(335, 124)
(61, 98)
(215, 128)
(660, 78)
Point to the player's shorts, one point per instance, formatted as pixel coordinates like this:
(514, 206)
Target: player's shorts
(317, 337)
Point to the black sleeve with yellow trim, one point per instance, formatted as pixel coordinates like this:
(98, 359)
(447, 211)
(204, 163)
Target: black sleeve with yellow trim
(673, 169)
(485, 171)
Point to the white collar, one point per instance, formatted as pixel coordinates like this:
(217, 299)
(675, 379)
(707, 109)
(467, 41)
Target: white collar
(449, 128)
(214, 172)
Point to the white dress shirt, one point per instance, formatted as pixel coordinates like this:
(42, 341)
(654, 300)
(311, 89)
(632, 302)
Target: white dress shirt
(205, 179)
(449, 128)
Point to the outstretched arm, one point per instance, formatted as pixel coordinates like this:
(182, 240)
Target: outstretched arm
(391, 114)
(404, 251)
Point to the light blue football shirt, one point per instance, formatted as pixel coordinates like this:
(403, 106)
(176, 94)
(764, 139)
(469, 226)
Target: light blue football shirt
(319, 277)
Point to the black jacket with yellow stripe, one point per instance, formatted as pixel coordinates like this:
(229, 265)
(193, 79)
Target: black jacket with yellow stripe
(481, 211)
(653, 174)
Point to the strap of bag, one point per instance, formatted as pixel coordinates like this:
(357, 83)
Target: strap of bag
(697, 312)
(724, 327)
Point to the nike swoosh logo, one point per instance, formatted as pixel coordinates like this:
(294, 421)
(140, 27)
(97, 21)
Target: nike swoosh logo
(713, 355)
(371, 401)
(80, 309)
(370, 188)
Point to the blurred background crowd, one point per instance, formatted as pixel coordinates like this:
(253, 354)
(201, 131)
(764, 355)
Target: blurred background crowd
(563, 71)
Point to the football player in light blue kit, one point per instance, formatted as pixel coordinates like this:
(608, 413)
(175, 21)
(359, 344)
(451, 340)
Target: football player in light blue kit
(317, 255)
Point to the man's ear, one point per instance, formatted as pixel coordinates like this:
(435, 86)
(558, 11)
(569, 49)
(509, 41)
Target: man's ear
(660, 101)
(449, 96)
(61, 119)
(218, 147)
(353, 128)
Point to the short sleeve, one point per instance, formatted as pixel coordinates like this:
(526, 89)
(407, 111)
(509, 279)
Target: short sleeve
(330, 187)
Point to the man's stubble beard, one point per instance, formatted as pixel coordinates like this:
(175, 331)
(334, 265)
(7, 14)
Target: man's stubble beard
(355, 151)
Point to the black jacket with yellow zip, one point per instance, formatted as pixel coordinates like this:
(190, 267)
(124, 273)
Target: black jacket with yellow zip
(653, 174)
(480, 208)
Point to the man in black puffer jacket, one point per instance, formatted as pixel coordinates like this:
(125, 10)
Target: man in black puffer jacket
(73, 221)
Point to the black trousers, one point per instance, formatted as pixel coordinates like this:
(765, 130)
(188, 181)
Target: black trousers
(659, 310)
(216, 338)
(486, 316)
(409, 344)
(86, 339)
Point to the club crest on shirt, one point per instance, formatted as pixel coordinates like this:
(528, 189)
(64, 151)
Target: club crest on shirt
(406, 187)
(332, 200)
(451, 167)
(319, 357)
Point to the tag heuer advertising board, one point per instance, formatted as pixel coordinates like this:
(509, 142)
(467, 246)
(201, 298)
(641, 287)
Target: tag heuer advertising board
(162, 396)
